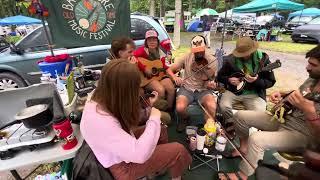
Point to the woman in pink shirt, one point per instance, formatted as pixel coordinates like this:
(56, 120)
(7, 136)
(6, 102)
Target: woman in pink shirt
(109, 126)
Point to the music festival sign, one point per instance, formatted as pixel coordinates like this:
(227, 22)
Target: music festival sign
(75, 23)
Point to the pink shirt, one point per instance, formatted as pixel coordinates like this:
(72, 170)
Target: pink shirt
(110, 143)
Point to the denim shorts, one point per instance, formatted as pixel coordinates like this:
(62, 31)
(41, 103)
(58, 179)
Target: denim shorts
(193, 96)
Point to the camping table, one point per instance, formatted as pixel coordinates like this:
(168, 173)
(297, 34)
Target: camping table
(51, 154)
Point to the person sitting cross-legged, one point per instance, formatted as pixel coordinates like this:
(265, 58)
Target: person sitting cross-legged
(288, 132)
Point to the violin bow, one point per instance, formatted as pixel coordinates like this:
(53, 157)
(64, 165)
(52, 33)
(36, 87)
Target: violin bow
(244, 158)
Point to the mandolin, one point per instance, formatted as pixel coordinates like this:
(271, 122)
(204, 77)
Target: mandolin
(156, 68)
(241, 75)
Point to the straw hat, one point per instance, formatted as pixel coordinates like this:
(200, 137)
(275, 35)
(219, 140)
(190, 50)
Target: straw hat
(245, 47)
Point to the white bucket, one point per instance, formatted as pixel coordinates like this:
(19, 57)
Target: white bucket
(221, 143)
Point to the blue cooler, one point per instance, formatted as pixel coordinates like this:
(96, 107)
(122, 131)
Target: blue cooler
(55, 66)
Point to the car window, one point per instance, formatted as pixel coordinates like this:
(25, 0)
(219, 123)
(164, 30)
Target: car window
(139, 28)
(304, 19)
(36, 41)
(315, 21)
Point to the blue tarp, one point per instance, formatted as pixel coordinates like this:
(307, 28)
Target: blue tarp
(264, 5)
(305, 12)
(19, 20)
(195, 26)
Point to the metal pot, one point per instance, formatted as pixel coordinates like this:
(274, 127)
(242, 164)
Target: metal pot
(36, 116)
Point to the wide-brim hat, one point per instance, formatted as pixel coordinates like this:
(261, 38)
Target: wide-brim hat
(245, 47)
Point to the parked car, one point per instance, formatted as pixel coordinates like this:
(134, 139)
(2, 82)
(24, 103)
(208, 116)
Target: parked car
(3, 43)
(296, 22)
(220, 21)
(308, 33)
(18, 63)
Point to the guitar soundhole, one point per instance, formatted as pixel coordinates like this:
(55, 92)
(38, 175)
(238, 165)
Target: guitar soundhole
(154, 71)
(240, 85)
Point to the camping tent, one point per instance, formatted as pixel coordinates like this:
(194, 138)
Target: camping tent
(264, 5)
(19, 20)
(305, 12)
(195, 26)
(206, 12)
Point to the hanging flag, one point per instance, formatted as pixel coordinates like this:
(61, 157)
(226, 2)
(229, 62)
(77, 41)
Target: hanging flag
(75, 23)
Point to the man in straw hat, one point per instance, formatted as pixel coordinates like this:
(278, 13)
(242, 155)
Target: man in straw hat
(244, 60)
(196, 84)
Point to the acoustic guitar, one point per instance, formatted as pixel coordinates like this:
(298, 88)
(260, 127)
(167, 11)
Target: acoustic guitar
(157, 71)
(238, 89)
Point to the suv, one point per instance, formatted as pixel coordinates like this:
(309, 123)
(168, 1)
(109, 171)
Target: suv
(296, 22)
(18, 64)
(308, 33)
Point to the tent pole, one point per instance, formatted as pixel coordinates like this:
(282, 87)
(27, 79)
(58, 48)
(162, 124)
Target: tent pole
(224, 23)
(300, 16)
(47, 35)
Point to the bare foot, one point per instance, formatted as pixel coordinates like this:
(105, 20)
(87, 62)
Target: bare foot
(233, 176)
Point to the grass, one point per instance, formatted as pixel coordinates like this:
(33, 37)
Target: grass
(286, 46)
(13, 39)
(181, 51)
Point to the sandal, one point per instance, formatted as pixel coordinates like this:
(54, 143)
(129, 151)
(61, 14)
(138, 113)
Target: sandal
(227, 176)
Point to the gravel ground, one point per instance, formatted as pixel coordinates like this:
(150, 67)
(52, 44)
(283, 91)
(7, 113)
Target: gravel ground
(289, 76)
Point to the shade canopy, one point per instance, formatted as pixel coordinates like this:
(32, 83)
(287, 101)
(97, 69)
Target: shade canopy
(206, 12)
(19, 20)
(265, 5)
(305, 12)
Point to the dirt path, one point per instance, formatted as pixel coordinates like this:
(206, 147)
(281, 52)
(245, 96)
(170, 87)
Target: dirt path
(289, 76)
(292, 72)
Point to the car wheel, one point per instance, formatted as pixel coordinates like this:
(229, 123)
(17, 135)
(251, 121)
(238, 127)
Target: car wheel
(10, 80)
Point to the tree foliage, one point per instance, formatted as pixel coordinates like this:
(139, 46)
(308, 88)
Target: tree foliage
(13, 7)
(218, 5)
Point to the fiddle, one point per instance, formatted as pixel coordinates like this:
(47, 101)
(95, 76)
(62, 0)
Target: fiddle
(144, 100)
(200, 67)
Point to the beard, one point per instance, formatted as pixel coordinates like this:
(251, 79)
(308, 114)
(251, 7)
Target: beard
(314, 75)
(198, 56)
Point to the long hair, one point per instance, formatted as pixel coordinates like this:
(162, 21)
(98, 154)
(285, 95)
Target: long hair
(118, 92)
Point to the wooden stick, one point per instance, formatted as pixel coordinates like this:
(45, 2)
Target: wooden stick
(245, 159)
(201, 69)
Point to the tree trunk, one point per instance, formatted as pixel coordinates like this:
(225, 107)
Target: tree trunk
(213, 4)
(152, 7)
(162, 7)
(182, 20)
(176, 34)
(190, 6)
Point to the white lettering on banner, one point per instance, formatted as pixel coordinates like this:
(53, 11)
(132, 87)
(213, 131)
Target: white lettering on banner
(69, 5)
(108, 6)
(75, 27)
(88, 20)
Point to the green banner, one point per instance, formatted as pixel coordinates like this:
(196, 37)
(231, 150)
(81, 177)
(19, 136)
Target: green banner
(75, 23)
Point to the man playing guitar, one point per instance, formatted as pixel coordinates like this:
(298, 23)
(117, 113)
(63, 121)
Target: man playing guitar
(197, 81)
(245, 60)
(292, 135)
